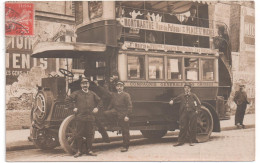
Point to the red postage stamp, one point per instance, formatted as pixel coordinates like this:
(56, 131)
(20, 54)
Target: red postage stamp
(19, 19)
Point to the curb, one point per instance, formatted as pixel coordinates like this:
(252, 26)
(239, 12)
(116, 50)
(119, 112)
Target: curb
(23, 145)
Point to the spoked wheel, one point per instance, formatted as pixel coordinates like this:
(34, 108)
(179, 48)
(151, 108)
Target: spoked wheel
(44, 138)
(153, 134)
(67, 135)
(204, 124)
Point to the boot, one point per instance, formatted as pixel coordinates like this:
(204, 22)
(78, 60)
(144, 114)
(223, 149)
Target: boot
(178, 144)
(124, 149)
(78, 154)
(91, 153)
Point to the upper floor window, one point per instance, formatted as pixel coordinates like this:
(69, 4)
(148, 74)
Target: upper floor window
(156, 67)
(207, 69)
(136, 67)
(174, 68)
(95, 9)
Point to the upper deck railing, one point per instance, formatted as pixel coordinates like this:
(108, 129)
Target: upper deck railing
(148, 26)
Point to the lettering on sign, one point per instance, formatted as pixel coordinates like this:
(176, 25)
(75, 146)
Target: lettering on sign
(166, 27)
(169, 84)
(150, 46)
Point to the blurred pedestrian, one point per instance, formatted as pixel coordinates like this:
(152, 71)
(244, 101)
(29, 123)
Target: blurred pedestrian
(241, 100)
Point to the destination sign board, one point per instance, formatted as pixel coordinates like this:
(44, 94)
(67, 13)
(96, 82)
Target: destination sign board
(169, 84)
(151, 46)
(166, 27)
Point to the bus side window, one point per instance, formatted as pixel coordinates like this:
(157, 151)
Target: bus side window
(174, 68)
(156, 67)
(207, 69)
(136, 66)
(191, 69)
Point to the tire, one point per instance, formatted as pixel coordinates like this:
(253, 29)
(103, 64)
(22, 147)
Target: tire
(204, 123)
(67, 134)
(41, 107)
(44, 139)
(153, 134)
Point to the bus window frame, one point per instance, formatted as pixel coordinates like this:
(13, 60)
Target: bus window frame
(182, 67)
(163, 72)
(136, 55)
(214, 70)
(198, 68)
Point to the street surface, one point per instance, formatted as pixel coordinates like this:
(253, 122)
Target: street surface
(233, 145)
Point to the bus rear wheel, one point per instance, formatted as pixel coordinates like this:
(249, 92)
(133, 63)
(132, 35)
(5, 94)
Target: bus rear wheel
(204, 124)
(67, 135)
(153, 134)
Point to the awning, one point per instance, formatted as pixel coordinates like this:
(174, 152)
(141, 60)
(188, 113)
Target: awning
(66, 49)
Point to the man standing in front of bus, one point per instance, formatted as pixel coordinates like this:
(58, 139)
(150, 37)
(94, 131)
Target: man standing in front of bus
(87, 103)
(189, 107)
(120, 108)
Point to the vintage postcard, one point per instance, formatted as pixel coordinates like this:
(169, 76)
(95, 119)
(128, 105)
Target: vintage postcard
(130, 80)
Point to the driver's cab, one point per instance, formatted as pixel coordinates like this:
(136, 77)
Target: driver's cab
(94, 67)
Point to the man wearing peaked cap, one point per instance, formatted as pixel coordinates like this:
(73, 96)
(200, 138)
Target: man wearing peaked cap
(120, 109)
(189, 107)
(240, 99)
(87, 103)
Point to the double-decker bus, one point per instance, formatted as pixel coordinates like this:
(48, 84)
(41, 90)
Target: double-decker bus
(154, 49)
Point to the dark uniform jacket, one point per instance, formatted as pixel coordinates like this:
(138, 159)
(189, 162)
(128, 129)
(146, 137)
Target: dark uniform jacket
(188, 102)
(121, 103)
(85, 102)
(240, 98)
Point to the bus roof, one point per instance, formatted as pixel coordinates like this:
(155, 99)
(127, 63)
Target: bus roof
(66, 49)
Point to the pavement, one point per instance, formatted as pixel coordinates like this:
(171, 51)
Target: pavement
(18, 139)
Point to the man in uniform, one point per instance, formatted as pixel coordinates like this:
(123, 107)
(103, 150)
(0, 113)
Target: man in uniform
(189, 106)
(120, 108)
(241, 100)
(87, 103)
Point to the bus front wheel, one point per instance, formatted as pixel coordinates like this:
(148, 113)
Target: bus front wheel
(153, 134)
(67, 135)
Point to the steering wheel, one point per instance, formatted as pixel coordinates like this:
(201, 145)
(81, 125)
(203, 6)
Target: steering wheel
(66, 72)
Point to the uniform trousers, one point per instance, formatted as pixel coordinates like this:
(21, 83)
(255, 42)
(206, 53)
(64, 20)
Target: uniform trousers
(84, 129)
(188, 126)
(114, 115)
(240, 113)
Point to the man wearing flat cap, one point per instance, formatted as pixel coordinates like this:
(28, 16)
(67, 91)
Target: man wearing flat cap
(87, 103)
(120, 108)
(189, 107)
(240, 99)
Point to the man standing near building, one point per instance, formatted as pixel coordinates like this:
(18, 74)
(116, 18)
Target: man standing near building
(189, 106)
(241, 100)
(120, 108)
(87, 103)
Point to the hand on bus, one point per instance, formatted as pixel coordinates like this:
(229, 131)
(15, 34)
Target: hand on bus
(75, 109)
(126, 119)
(171, 102)
(95, 110)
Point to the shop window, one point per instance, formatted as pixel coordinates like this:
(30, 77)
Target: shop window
(191, 69)
(136, 66)
(174, 68)
(207, 69)
(155, 67)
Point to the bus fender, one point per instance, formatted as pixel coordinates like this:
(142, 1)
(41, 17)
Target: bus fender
(216, 125)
